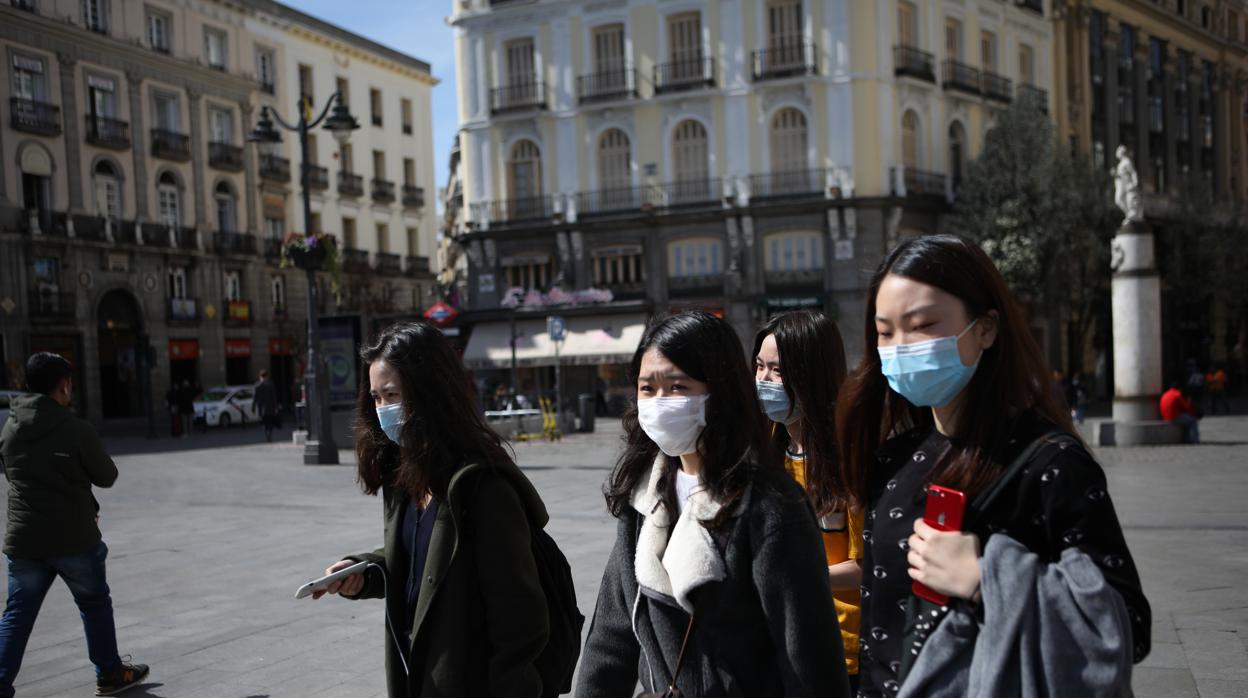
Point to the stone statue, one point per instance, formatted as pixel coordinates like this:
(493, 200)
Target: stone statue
(1127, 187)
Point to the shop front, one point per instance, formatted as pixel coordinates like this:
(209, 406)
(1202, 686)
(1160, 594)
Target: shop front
(238, 362)
(282, 369)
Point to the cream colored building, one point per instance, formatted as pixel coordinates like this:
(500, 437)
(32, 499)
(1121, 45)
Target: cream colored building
(134, 215)
(744, 157)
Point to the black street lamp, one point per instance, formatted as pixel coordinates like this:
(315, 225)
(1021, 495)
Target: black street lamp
(320, 448)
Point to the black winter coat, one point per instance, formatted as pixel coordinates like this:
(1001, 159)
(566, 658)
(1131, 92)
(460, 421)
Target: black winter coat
(51, 459)
(766, 625)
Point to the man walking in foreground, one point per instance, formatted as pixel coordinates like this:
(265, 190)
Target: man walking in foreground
(265, 399)
(51, 459)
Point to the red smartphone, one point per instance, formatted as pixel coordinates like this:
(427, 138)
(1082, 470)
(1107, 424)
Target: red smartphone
(944, 511)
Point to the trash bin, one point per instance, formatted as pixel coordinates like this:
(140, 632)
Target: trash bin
(585, 404)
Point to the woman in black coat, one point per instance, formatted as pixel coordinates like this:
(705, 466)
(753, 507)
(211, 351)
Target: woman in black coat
(465, 610)
(709, 526)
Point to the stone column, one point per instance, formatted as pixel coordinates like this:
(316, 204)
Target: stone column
(72, 127)
(249, 172)
(1109, 64)
(198, 164)
(138, 146)
(1136, 297)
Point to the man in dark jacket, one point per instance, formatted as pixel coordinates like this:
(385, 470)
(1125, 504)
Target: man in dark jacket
(51, 459)
(265, 399)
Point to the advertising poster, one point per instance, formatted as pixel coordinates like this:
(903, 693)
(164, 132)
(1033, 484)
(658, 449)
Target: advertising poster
(339, 344)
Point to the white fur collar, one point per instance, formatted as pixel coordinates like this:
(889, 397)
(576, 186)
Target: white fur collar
(674, 566)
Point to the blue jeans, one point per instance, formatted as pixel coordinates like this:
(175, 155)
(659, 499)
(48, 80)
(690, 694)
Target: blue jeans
(29, 581)
(1191, 428)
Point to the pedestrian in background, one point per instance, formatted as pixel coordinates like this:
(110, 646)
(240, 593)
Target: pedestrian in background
(186, 407)
(465, 612)
(265, 400)
(1215, 386)
(1176, 406)
(799, 366)
(952, 390)
(717, 584)
(171, 407)
(51, 459)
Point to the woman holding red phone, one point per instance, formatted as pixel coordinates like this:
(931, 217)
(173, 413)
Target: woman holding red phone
(951, 390)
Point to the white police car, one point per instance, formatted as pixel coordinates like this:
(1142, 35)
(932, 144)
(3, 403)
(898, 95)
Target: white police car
(226, 405)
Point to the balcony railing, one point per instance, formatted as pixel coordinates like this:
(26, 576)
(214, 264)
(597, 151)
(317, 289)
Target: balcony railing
(786, 59)
(413, 196)
(274, 168)
(914, 62)
(607, 86)
(920, 182)
(350, 184)
(52, 307)
(234, 243)
(688, 74)
(155, 234)
(34, 117)
(318, 177)
(529, 208)
(90, 228)
(187, 239)
(1033, 5)
(224, 156)
(793, 278)
(523, 96)
(692, 192)
(997, 87)
(650, 198)
(797, 183)
(125, 232)
(107, 132)
(383, 190)
(355, 260)
(962, 77)
(272, 248)
(416, 266)
(1034, 94)
(389, 263)
(183, 310)
(171, 145)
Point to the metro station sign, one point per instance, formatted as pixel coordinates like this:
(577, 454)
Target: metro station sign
(441, 314)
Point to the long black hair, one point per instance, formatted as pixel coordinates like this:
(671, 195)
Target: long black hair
(706, 349)
(1012, 376)
(812, 363)
(442, 428)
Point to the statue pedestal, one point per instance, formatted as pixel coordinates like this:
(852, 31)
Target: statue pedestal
(1136, 294)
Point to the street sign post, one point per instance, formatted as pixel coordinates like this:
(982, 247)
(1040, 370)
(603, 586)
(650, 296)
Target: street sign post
(557, 330)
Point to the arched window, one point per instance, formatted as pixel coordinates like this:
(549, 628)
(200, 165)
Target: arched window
(169, 197)
(615, 168)
(36, 166)
(910, 139)
(524, 180)
(788, 152)
(227, 208)
(957, 152)
(690, 160)
(107, 191)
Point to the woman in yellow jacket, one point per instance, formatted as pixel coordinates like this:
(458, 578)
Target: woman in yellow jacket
(799, 365)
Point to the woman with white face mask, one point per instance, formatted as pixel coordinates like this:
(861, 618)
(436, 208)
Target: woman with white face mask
(716, 585)
(465, 611)
(799, 366)
(1041, 596)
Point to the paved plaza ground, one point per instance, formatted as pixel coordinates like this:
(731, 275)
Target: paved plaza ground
(211, 535)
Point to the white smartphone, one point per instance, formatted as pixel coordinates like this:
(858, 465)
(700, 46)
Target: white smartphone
(324, 582)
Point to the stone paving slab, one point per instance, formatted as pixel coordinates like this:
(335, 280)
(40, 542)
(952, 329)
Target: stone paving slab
(211, 535)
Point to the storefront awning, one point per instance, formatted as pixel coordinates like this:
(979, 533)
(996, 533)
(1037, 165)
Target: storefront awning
(590, 340)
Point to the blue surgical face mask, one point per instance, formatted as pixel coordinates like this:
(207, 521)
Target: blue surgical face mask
(390, 417)
(928, 374)
(776, 403)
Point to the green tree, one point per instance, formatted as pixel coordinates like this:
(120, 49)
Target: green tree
(1043, 215)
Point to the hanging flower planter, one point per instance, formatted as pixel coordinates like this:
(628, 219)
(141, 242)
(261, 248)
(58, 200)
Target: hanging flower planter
(315, 252)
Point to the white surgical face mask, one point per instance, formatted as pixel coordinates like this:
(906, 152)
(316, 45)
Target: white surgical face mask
(673, 423)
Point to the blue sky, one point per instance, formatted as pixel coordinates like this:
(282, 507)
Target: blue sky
(417, 28)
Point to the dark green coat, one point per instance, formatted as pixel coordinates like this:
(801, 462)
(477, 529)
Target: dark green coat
(481, 619)
(51, 459)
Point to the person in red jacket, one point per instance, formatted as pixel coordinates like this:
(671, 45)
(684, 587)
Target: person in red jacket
(1177, 408)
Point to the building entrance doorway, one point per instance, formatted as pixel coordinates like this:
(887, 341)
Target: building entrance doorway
(120, 324)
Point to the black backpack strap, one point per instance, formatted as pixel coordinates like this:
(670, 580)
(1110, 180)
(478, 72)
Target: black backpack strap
(985, 499)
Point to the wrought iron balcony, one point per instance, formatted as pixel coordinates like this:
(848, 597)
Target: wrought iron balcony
(523, 96)
(784, 60)
(51, 306)
(607, 86)
(272, 248)
(794, 278)
(691, 192)
(227, 242)
(529, 208)
(383, 190)
(90, 228)
(413, 196)
(107, 132)
(1033, 94)
(34, 117)
(688, 74)
(187, 239)
(997, 87)
(274, 168)
(350, 184)
(923, 183)
(389, 263)
(787, 185)
(962, 77)
(649, 198)
(224, 156)
(318, 177)
(155, 234)
(416, 265)
(914, 62)
(355, 260)
(124, 231)
(171, 145)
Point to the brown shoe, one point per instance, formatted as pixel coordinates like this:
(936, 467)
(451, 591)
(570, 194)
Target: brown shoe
(126, 677)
